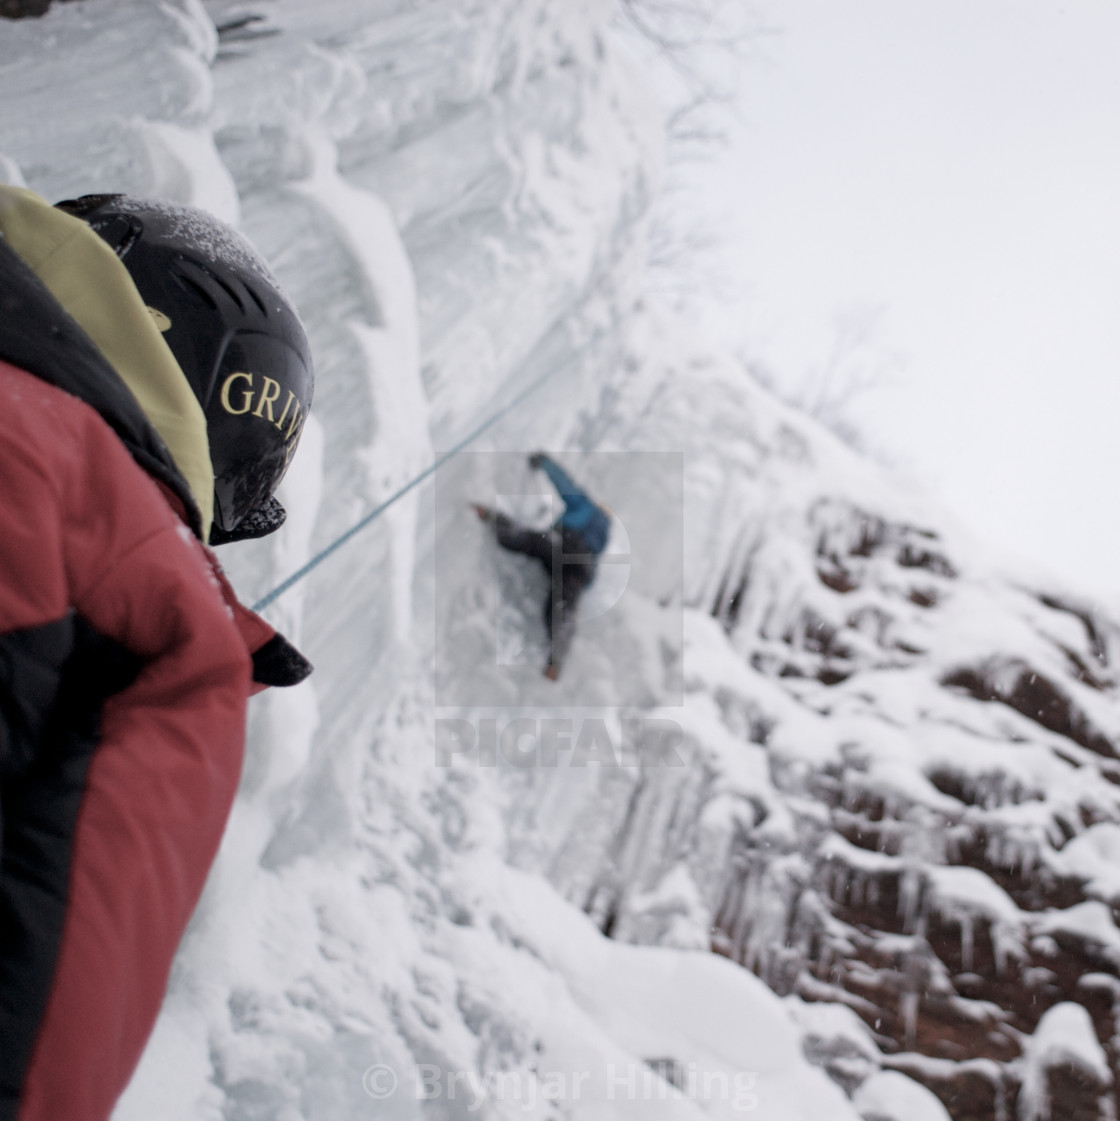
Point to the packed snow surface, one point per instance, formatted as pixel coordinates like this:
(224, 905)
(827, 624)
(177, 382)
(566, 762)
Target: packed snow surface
(449, 887)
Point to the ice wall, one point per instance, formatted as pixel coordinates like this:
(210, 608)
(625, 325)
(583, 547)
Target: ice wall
(884, 777)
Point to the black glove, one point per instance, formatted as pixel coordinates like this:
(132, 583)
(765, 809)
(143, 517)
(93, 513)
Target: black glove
(536, 459)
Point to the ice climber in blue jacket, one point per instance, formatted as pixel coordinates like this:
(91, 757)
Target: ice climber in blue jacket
(569, 549)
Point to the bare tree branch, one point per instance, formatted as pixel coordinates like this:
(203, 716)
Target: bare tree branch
(856, 364)
(701, 55)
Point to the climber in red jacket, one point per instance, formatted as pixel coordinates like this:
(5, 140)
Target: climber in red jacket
(153, 383)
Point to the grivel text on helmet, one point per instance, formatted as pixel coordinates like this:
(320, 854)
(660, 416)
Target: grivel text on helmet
(239, 392)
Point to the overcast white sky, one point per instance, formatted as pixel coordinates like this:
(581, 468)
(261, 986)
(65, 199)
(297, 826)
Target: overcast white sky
(955, 163)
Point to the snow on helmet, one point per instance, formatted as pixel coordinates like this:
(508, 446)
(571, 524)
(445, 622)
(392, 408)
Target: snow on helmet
(234, 334)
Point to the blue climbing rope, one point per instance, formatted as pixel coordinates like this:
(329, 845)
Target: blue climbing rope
(434, 466)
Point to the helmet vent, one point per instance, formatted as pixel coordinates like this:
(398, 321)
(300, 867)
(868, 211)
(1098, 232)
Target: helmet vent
(80, 207)
(230, 291)
(257, 300)
(198, 290)
(215, 290)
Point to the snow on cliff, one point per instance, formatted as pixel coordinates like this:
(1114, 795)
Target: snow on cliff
(808, 723)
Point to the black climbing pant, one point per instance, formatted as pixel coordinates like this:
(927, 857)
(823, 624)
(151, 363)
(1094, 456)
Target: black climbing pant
(570, 567)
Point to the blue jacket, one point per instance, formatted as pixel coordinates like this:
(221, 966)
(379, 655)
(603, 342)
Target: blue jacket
(592, 522)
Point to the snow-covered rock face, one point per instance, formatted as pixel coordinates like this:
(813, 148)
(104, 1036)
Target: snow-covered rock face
(900, 782)
(875, 766)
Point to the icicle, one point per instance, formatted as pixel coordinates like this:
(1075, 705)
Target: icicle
(908, 1005)
(1034, 1096)
(967, 937)
(910, 897)
(1006, 944)
(999, 851)
(850, 795)
(1000, 1094)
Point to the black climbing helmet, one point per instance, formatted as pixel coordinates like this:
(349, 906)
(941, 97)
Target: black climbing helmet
(234, 334)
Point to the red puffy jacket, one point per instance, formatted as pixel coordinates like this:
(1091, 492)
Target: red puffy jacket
(125, 670)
